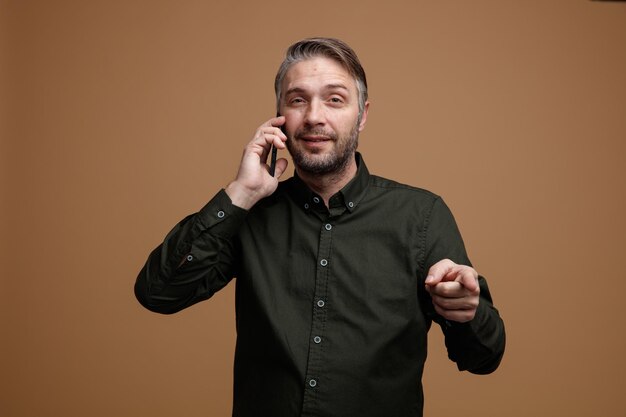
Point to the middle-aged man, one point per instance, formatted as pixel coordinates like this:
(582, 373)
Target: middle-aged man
(340, 273)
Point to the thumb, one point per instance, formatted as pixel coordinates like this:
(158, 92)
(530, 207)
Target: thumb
(281, 166)
(469, 279)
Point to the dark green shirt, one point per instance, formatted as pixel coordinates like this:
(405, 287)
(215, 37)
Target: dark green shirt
(332, 315)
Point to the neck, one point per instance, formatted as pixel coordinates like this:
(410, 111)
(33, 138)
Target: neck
(327, 185)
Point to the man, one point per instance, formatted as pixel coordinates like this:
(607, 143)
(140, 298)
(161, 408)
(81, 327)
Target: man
(339, 273)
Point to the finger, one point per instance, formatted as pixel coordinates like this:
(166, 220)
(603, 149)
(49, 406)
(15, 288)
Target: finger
(277, 121)
(274, 137)
(468, 278)
(273, 125)
(278, 139)
(274, 121)
(459, 316)
(438, 271)
(449, 289)
(262, 144)
(281, 166)
(277, 132)
(462, 303)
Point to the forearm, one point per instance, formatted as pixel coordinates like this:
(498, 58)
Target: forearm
(194, 261)
(478, 345)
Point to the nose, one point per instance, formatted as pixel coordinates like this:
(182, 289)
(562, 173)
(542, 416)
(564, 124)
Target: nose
(315, 113)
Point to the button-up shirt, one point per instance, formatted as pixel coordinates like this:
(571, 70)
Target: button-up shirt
(332, 316)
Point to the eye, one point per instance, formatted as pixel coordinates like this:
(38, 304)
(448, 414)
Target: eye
(296, 100)
(336, 100)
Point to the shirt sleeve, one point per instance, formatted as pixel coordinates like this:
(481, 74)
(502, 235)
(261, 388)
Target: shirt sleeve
(195, 260)
(478, 345)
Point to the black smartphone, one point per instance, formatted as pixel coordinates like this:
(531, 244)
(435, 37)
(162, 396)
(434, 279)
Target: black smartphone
(275, 151)
(273, 161)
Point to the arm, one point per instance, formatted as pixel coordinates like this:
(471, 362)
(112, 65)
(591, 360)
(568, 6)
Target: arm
(195, 260)
(198, 257)
(460, 301)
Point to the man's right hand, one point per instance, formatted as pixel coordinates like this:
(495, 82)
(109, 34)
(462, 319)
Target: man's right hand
(253, 180)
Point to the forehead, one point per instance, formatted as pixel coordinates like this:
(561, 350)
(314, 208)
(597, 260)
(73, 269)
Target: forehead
(317, 73)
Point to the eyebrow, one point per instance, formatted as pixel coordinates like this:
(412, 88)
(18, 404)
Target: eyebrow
(299, 90)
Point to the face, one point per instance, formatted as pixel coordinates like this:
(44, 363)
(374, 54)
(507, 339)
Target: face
(321, 108)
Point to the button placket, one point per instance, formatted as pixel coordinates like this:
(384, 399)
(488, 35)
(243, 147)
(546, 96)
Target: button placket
(315, 365)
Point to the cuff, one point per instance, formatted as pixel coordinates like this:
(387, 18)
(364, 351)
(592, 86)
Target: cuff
(221, 216)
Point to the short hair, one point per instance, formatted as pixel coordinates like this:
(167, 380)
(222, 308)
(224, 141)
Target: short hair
(331, 48)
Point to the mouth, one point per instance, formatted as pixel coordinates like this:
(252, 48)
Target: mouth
(315, 143)
(314, 138)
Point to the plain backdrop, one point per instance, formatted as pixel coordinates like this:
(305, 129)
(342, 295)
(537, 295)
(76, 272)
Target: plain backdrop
(121, 117)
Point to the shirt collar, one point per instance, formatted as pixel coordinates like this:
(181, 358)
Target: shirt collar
(349, 196)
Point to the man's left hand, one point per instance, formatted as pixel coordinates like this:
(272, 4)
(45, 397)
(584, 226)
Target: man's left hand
(454, 290)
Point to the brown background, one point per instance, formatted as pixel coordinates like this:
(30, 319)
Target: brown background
(121, 117)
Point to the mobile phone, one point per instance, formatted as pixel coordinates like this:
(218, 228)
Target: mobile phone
(273, 161)
(275, 151)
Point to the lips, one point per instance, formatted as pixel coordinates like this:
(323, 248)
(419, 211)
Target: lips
(314, 135)
(315, 143)
(314, 138)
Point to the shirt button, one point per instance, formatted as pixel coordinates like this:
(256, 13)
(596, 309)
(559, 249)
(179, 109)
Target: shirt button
(220, 214)
(312, 383)
(323, 262)
(320, 303)
(317, 339)
(350, 204)
(328, 226)
(190, 258)
(316, 200)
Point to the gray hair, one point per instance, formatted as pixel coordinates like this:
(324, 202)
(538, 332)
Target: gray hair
(330, 48)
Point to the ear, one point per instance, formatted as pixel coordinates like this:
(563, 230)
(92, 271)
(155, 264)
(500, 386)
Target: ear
(364, 116)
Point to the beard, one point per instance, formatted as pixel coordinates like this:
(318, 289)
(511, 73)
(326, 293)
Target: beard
(334, 161)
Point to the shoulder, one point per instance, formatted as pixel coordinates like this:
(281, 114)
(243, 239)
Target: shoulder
(381, 185)
(405, 201)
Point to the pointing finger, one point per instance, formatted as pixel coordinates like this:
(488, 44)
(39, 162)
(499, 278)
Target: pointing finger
(468, 278)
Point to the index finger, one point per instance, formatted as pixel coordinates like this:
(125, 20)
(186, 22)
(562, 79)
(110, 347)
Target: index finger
(468, 278)
(275, 122)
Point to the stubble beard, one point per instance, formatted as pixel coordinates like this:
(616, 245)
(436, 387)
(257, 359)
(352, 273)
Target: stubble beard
(333, 162)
